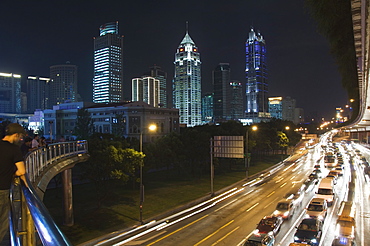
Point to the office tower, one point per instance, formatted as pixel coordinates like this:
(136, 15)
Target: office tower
(10, 93)
(236, 101)
(108, 75)
(187, 82)
(63, 84)
(146, 89)
(288, 108)
(276, 107)
(207, 108)
(222, 93)
(256, 77)
(157, 73)
(37, 93)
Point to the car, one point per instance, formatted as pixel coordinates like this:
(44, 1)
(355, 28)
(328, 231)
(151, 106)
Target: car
(269, 224)
(318, 172)
(317, 208)
(309, 231)
(339, 170)
(343, 241)
(317, 166)
(285, 208)
(260, 240)
(313, 176)
(332, 177)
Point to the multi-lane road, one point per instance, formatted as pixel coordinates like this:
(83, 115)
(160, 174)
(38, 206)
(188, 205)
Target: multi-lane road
(230, 218)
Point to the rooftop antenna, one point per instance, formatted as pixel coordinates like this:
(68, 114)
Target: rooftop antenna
(187, 26)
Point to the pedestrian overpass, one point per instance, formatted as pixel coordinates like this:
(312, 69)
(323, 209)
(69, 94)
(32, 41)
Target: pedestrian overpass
(30, 222)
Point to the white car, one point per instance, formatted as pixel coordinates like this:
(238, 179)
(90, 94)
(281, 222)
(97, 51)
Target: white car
(317, 208)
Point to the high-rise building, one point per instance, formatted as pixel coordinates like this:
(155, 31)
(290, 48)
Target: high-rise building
(256, 77)
(222, 93)
(288, 108)
(63, 84)
(187, 82)
(236, 102)
(207, 108)
(146, 89)
(37, 93)
(108, 55)
(10, 93)
(276, 107)
(156, 72)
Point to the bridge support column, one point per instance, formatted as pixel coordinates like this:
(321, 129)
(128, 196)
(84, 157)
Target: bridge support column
(67, 197)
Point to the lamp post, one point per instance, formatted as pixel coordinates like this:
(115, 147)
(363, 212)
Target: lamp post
(151, 127)
(254, 128)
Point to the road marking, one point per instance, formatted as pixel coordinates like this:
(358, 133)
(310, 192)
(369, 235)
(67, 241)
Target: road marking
(249, 209)
(214, 233)
(270, 194)
(195, 221)
(228, 234)
(281, 186)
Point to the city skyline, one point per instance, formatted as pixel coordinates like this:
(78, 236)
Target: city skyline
(298, 57)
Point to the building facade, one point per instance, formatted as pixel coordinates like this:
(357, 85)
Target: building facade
(37, 93)
(63, 84)
(256, 77)
(156, 72)
(222, 93)
(10, 93)
(108, 66)
(236, 102)
(289, 105)
(207, 108)
(146, 89)
(276, 107)
(187, 82)
(136, 117)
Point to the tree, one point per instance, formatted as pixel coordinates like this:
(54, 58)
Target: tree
(84, 125)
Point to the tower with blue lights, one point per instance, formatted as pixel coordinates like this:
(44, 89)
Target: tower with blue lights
(108, 55)
(256, 78)
(187, 82)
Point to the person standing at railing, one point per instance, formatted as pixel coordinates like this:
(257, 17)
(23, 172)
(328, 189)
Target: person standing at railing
(35, 142)
(11, 163)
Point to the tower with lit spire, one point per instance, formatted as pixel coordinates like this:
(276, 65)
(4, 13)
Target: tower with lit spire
(256, 78)
(187, 82)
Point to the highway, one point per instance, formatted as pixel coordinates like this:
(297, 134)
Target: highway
(230, 218)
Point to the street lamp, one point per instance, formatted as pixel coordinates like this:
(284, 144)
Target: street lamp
(254, 128)
(151, 127)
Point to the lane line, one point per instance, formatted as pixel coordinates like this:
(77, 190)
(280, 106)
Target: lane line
(170, 234)
(270, 194)
(214, 233)
(228, 234)
(249, 209)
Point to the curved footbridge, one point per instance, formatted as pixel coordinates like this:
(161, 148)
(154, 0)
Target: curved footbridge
(30, 222)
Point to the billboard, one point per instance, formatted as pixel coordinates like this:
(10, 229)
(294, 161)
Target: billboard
(228, 146)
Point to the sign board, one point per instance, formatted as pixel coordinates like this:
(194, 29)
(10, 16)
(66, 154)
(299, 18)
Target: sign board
(228, 146)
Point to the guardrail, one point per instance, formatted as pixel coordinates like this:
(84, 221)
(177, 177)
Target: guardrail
(28, 214)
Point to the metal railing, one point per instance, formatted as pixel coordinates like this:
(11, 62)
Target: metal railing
(28, 214)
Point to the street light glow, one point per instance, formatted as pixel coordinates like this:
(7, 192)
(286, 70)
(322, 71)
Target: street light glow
(254, 128)
(152, 127)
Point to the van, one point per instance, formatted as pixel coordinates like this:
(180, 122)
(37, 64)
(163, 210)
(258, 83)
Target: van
(326, 191)
(285, 208)
(317, 209)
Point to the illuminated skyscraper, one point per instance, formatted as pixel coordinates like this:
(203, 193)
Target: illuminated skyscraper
(222, 93)
(236, 108)
(108, 80)
(256, 77)
(63, 84)
(37, 93)
(187, 83)
(10, 93)
(157, 73)
(146, 89)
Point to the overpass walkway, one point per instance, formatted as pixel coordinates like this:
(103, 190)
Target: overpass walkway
(29, 221)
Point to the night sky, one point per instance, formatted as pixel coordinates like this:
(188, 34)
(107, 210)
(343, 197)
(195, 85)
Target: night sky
(37, 34)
